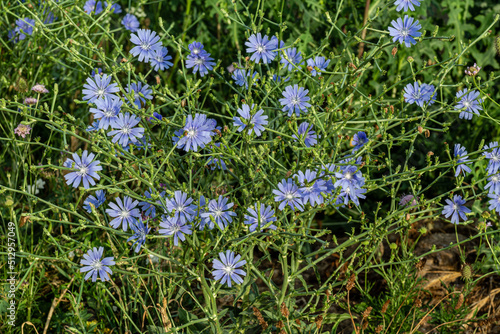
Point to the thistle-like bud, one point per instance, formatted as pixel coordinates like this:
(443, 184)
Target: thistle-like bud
(472, 70)
(467, 271)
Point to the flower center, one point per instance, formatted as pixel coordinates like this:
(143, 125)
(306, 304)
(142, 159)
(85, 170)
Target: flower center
(191, 133)
(218, 213)
(289, 196)
(295, 100)
(109, 113)
(145, 46)
(198, 61)
(455, 207)
(180, 208)
(348, 176)
(126, 130)
(260, 48)
(100, 92)
(228, 270)
(124, 214)
(83, 170)
(97, 265)
(405, 32)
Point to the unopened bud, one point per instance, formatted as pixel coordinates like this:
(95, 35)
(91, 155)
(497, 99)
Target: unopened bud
(467, 271)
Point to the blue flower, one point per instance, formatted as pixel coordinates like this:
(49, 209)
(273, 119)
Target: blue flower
(13, 36)
(295, 99)
(354, 196)
(218, 212)
(470, 102)
(260, 217)
(99, 87)
(93, 127)
(125, 213)
(420, 94)
(49, 18)
(226, 269)
(242, 77)
(262, 48)
(24, 27)
(494, 184)
(93, 6)
(311, 187)
(327, 172)
(136, 88)
(359, 140)
(462, 158)
(494, 202)
(107, 111)
(349, 178)
(96, 71)
(173, 226)
(115, 8)
(291, 58)
(405, 4)
(140, 231)
(216, 161)
(278, 78)
(130, 22)
(85, 170)
(198, 132)
(180, 205)
(201, 63)
(160, 60)
(96, 267)
(405, 30)
(97, 201)
(196, 48)
(146, 42)
(255, 123)
(305, 132)
(318, 65)
(493, 157)
(455, 208)
(156, 117)
(147, 208)
(126, 131)
(289, 194)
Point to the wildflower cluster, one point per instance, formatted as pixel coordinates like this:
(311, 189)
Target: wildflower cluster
(200, 165)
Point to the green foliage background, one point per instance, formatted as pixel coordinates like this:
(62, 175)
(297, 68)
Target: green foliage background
(62, 54)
